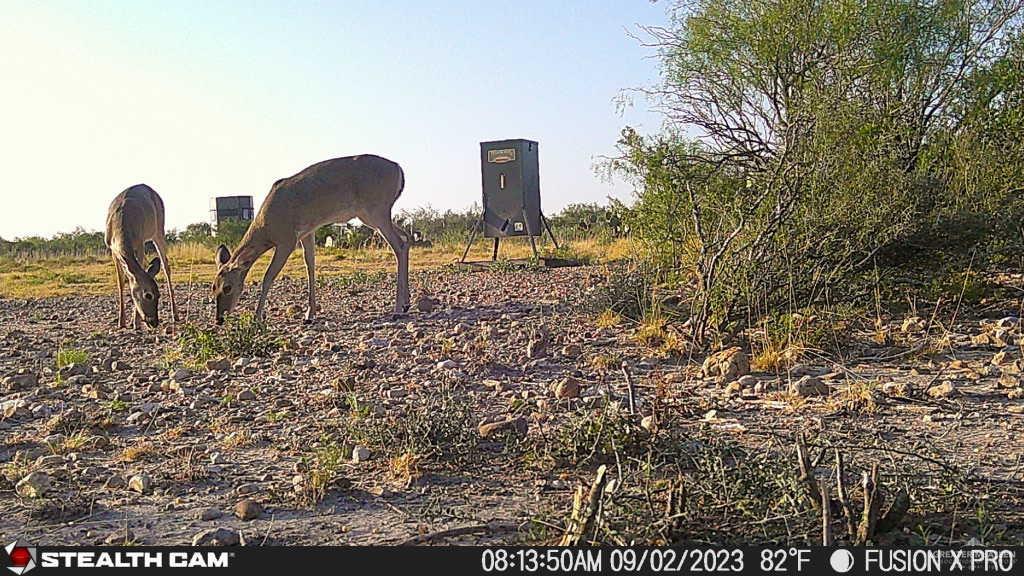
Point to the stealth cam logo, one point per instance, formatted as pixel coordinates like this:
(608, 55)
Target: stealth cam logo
(21, 558)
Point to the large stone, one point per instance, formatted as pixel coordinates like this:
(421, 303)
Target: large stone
(567, 388)
(248, 509)
(537, 348)
(140, 483)
(899, 388)
(216, 537)
(15, 408)
(20, 382)
(181, 374)
(914, 325)
(944, 390)
(426, 304)
(360, 454)
(518, 425)
(35, 485)
(218, 364)
(726, 365)
(572, 350)
(809, 386)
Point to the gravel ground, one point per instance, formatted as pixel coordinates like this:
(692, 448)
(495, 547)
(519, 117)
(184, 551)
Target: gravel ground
(128, 446)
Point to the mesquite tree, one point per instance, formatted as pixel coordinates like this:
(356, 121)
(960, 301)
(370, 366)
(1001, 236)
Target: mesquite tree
(804, 136)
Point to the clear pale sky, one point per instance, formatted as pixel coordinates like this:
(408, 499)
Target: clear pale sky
(207, 98)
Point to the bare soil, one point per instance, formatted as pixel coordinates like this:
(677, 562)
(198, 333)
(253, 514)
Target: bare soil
(211, 438)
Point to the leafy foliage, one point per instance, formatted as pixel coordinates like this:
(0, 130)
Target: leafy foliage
(805, 140)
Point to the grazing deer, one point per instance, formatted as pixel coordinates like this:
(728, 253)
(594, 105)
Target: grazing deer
(336, 190)
(136, 216)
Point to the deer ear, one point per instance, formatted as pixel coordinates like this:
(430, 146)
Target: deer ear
(154, 267)
(223, 255)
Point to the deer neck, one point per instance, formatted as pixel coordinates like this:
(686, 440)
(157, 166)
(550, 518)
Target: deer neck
(254, 244)
(126, 257)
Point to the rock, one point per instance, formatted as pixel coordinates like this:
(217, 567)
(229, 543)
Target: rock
(181, 374)
(944, 390)
(913, 325)
(809, 386)
(15, 408)
(1009, 381)
(536, 348)
(73, 370)
(246, 489)
(216, 537)
(218, 365)
(360, 454)
(49, 461)
(726, 365)
(426, 304)
(248, 509)
(77, 380)
(518, 425)
(447, 365)
(94, 391)
(20, 382)
(1001, 338)
(747, 381)
(980, 340)
(140, 483)
(1000, 358)
(567, 388)
(207, 514)
(115, 482)
(572, 350)
(900, 389)
(55, 441)
(649, 423)
(246, 395)
(1007, 323)
(35, 485)
(733, 387)
(119, 538)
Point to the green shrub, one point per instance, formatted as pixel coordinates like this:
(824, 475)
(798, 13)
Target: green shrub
(68, 356)
(241, 335)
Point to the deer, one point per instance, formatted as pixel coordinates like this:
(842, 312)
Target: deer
(136, 216)
(335, 190)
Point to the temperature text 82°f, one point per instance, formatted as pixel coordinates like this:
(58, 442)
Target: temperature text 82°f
(784, 559)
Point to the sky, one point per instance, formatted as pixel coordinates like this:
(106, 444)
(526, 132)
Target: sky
(208, 98)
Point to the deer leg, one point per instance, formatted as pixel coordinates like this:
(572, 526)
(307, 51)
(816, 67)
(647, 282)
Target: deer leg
(161, 252)
(276, 264)
(309, 255)
(401, 249)
(120, 295)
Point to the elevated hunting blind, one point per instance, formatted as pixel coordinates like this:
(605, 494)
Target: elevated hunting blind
(230, 208)
(510, 178)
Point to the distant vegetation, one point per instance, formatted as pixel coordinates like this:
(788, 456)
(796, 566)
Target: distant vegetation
(427, 225)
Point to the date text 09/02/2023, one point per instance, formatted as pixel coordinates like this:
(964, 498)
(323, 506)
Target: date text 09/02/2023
(614, 560)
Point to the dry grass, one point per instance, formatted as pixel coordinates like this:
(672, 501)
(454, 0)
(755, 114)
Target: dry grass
(860, 396)
(138, 451)
(608, 319)
(194, 263)
(405, 468)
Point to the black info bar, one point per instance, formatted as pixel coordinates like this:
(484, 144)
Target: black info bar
(25, 558)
